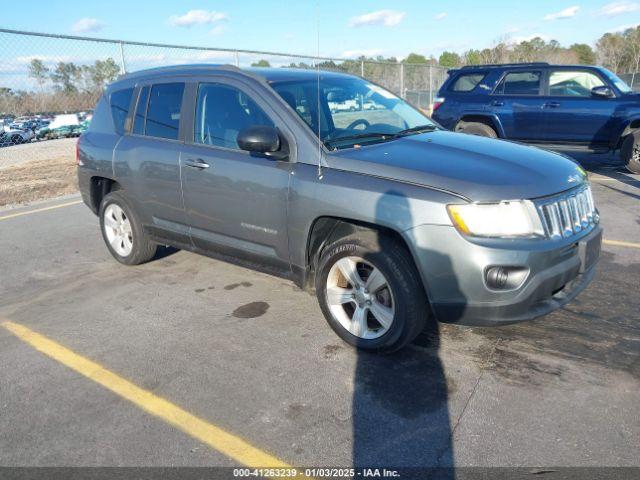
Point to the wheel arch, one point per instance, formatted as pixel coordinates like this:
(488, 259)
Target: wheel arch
(99, 187)
(327, 229)
(631, 127)
(490, 120)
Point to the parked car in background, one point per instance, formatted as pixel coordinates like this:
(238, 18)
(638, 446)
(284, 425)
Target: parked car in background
(11, 136)
(61, 126)
(392, 221)
(563, 107)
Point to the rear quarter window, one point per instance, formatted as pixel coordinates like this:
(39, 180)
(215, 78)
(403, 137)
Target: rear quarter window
(101, 122)
(467, 82)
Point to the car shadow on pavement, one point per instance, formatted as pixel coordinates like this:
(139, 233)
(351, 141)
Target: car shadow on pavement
(400, 400)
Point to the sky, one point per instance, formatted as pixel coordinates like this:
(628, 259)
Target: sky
(347, 28)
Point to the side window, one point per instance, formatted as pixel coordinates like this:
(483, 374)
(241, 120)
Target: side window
(163, 112)
(467, 82)
(519, 83)
(222, 112)
(576, 83)
(120, 101)
(141, 111)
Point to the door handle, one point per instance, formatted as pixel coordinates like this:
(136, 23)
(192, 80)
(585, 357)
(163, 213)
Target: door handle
(497, 103)
(196, 163)
(552, 104)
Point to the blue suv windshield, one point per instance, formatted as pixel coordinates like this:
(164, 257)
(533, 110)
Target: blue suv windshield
(351, 110)
(619, 83)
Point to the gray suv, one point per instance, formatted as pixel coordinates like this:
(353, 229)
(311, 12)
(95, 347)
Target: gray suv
(393, 221)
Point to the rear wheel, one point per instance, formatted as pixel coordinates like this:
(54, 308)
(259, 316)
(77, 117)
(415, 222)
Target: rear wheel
(370, 292)
(16, 139)
(476, 128)
(122, 231)
(630, 152)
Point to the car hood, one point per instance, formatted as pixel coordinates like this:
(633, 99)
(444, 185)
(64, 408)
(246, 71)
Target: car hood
(480, 169)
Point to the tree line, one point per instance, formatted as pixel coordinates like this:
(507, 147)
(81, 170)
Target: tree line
(618, 51)
(65, 87)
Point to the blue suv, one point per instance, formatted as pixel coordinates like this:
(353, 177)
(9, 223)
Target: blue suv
(563, 107)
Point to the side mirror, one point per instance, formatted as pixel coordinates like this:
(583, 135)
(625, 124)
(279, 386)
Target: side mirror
(602, 91)
(263, 139)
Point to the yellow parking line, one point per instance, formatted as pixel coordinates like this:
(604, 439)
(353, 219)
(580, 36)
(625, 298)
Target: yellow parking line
(619, 243)
(217, 438)
(38, 210)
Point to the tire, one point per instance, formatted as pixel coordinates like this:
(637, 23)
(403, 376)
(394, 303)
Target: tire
(16, 140)
(630, 152)
(476, 128)
(403, 296)
(138, 248)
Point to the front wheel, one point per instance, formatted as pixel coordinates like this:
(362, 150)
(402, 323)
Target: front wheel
(370, 292)
(122, 231)
(630, 152)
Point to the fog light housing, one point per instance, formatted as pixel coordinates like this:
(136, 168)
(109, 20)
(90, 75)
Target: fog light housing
(501, 277)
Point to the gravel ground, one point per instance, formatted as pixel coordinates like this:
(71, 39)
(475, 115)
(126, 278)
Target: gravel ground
(37, 151)
(37, 170)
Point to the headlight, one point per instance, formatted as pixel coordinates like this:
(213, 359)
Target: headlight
(504, 219)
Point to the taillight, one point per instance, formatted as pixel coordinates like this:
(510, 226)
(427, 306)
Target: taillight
(78, 161)
(437, 102)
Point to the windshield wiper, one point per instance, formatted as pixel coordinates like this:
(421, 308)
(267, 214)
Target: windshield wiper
(384, 136)
(417, 129)
(360, 135)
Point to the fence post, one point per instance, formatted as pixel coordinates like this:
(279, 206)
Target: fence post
(362, 68)
(123, 65)
(402, 95)
(430, 84)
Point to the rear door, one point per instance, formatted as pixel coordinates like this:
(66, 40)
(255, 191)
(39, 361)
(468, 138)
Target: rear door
(235, 201)
(517, 102)
(572, 113)
(148, 159)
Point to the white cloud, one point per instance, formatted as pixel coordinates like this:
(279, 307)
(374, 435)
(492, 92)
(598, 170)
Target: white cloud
(372, 52)
(85, 25)
(618, 8)
(386, 18)
(197, 17)
(622, 28)
(566, 13)
(510, 30)
(441, 15)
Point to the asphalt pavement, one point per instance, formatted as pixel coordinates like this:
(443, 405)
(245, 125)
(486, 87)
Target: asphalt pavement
(251, 359)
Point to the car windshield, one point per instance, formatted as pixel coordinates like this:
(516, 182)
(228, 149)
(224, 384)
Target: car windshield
(352, 110)
(619, 83)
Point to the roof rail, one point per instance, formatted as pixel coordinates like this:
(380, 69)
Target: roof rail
(169, 69)
(494, 65)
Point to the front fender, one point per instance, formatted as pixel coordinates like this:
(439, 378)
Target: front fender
(359, 198)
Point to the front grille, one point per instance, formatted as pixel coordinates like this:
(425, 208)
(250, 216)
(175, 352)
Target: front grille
(569, 213)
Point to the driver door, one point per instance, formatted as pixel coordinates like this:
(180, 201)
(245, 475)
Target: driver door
(235, 201)
(572, 113)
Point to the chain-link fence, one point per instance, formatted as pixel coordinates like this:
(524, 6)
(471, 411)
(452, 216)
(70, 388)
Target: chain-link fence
(50, 83)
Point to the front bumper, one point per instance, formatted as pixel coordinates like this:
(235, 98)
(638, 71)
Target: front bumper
(453, 270)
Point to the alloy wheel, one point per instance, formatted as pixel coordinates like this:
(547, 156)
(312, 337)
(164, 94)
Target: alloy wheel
(360, 298)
